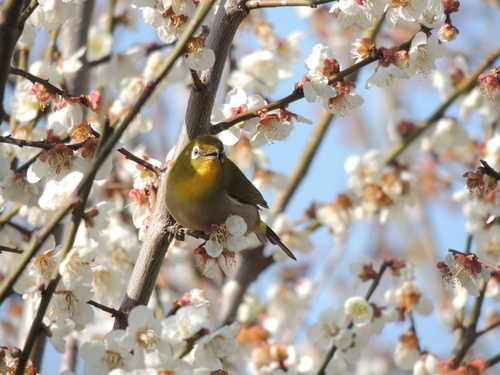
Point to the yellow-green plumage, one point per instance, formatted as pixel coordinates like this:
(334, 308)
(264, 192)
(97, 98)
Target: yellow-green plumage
(204, 188)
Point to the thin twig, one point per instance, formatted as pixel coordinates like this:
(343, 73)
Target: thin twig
(490, 171)
(8, 249)
(113, 312)
(255, 4)
(151, 47)
(190, 343)
(38, 144)
(463, 87)
(493, 361)
(494, 267)
(140, 161)
(35, 79)
(294, 96)
(469, 335)
(368, 295)
(5, 217)
(75, 146)
(195, 79)
(83, 192)
(173, 310)
(487, 329)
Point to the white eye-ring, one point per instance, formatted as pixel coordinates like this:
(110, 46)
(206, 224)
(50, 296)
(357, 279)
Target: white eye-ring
(195, 154)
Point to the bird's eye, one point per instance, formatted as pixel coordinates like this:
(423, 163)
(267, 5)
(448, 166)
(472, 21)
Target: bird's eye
(195, 153)
(222, 155)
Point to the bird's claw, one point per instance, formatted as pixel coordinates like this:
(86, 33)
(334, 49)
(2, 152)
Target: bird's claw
(178, 232)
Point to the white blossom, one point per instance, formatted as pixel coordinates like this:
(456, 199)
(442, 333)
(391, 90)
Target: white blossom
(352, 11)
(256, 71)
(186, 322)
(104, 357)
(404, 10)
(75, 267)
(57, 192)
(329, 329)
(219, 344)
(351, 353)
(52, 13)
(385, 76)
(72, 302)
(448, 134)
(426, 365)
(23, 106)
(230, 236)
(359, 310)
(59, 329)
(467, 272)
(432, 16)
(99, 43)
(144, 334)
(407, 352)
(422, 54)
(237, 102)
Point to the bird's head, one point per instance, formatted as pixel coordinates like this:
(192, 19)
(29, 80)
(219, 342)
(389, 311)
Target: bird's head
(204, 152)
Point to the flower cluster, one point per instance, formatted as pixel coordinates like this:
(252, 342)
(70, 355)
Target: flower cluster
(346, 328)
(68, 309)
(153, 344)
(261, 70)
(479, 183)
(57, 133)
(322, 66)
(170, 18)
(269, 126)
(464, 270)
(378, 188)
(224, 241)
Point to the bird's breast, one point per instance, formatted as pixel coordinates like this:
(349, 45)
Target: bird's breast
(203, 202)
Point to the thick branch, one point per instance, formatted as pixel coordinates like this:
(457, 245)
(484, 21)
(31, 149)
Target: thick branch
(73, 36)
(8, 28)
(229, 16)
(155, 246)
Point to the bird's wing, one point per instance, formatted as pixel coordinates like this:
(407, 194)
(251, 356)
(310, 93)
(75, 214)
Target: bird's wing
(240, 187)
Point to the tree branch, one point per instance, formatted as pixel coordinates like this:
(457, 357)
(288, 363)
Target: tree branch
(9, 17)
(158, 239)
(294, 96)
(8, 249)
(255, 4)
(469, 334)
(464, 87)
(109, 310)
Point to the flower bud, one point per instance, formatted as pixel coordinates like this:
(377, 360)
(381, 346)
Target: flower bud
(447, 32)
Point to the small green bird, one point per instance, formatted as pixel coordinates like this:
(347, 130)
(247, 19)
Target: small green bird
(204, 188)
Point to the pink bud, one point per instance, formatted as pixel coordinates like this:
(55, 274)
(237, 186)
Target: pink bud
(447, 32)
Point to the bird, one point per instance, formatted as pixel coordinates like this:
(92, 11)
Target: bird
(204, 187)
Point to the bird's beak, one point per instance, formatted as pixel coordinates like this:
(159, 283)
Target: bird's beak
(215, 154)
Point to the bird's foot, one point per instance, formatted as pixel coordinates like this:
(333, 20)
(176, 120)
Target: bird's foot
(178, 232)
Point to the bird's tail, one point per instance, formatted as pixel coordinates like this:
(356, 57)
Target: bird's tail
(275, 240)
